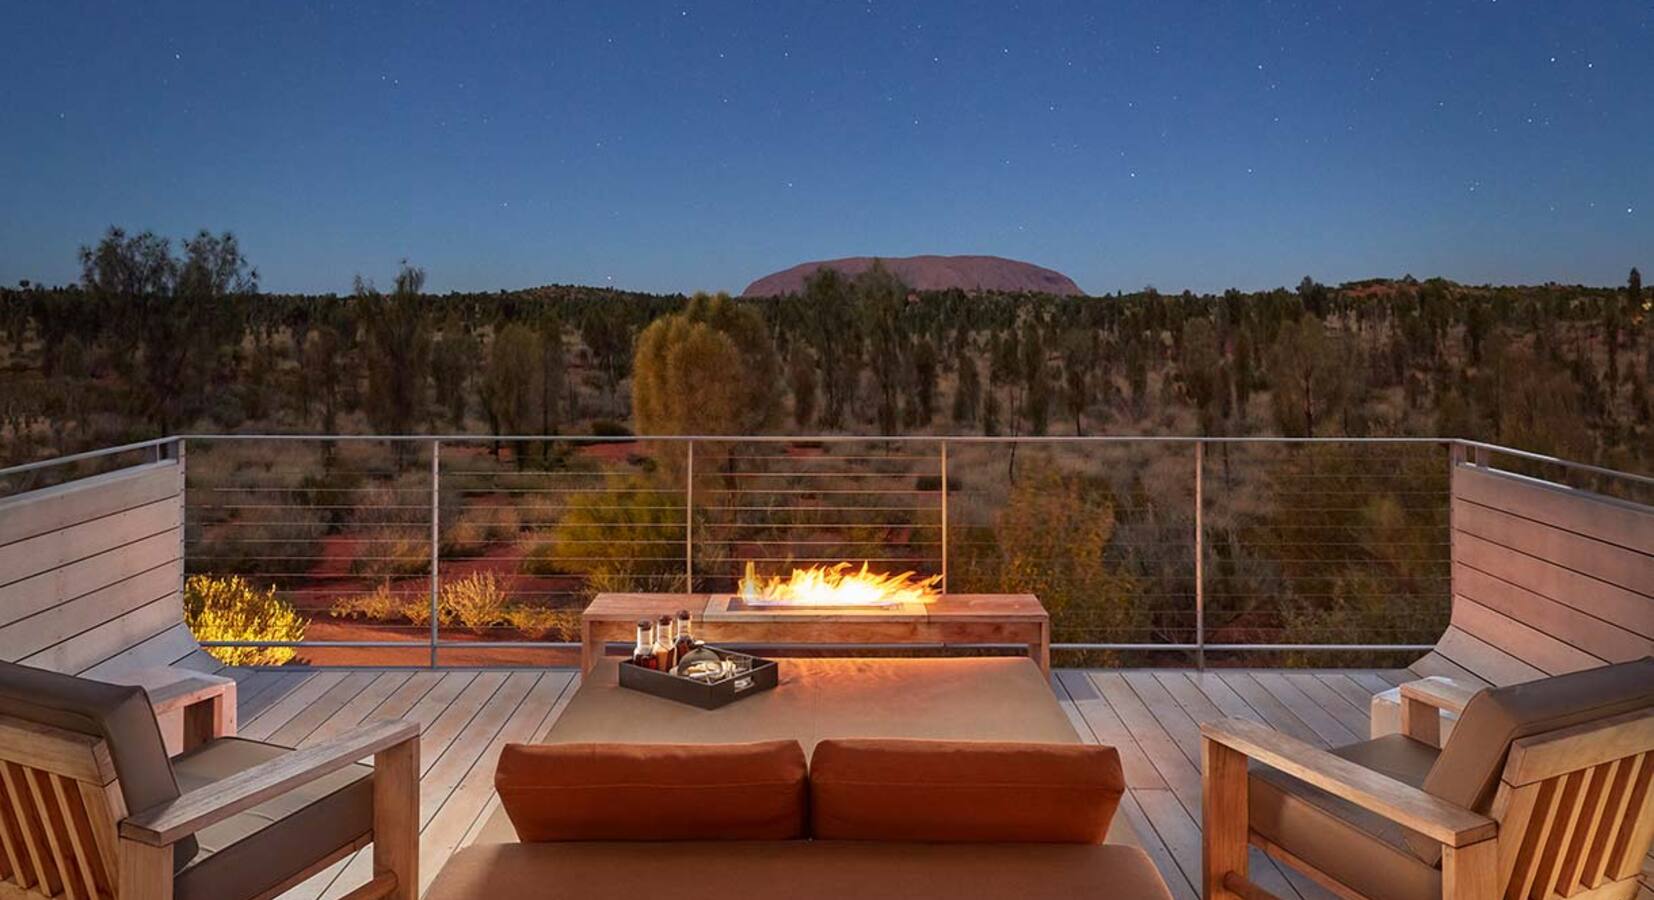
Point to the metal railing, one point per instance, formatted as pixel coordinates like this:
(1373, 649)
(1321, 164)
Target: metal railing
(432, 547)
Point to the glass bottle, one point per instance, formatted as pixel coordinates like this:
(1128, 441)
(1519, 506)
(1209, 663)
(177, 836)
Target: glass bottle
(682, 640)
(643, 653)
(663, 644)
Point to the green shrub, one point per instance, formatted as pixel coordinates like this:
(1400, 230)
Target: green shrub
(230, 609)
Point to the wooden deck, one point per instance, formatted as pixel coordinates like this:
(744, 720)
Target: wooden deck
(1152, 716)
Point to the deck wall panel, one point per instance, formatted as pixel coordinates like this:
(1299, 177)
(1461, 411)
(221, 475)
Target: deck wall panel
(91, 572)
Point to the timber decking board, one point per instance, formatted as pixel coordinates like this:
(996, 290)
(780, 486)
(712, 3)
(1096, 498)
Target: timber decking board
(467, 716)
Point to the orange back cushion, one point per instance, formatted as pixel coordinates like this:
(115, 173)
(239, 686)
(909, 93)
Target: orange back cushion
(963, 791)
(654, 792)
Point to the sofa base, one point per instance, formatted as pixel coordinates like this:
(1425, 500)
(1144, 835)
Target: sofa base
(805, 870)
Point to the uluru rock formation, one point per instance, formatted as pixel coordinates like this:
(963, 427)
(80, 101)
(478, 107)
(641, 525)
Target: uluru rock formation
(929, 273)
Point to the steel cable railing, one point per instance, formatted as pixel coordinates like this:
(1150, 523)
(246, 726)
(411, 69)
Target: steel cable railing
(479, 549)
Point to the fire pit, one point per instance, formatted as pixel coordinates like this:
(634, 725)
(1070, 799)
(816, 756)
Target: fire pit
(835, 606)
(839, 588)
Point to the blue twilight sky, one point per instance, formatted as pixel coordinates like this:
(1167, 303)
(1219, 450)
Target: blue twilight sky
(689, 145)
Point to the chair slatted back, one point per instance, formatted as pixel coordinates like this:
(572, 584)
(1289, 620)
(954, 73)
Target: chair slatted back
(59, 805)
(1576, 810)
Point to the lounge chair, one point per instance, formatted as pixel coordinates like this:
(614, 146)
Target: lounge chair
(1542, 790)
(92, 807)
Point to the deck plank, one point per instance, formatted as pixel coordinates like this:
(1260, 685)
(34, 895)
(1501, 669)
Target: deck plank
(1181, 775)
(1151, 716)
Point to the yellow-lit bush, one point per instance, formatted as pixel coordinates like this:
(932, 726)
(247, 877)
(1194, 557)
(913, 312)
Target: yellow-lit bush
(475, 601)
(230, 609)
(538, 623)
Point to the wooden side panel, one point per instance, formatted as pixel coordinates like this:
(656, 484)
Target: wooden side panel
(91, 571)
(1547, 579)
(1605, 640)
(1607, 519)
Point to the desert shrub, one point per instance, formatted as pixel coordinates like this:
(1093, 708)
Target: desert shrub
(392, 550)
(474, 529)
(265, 537)
(628, 536)
(476, 601)
(379, 605)
(539, 623)
(392, 520)
(230, 609)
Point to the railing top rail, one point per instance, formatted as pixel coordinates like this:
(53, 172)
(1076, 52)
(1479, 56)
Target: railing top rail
(85, 455)
(832, 438)
(1558, 461)
(838, 439)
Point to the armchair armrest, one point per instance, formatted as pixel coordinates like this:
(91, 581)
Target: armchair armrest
(1423, 702)
(1441, 693)
(165, 824)
(1453, 826)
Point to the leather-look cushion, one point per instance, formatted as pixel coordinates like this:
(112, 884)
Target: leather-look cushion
(120, 714)
(647, 792)
(799, 870)
(1468, 770)
(257, 850)
(1364, 851)
(886, 789)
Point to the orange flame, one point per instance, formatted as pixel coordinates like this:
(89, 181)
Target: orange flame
(837, 585)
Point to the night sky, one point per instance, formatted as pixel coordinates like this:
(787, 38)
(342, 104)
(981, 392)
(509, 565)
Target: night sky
(685, 146)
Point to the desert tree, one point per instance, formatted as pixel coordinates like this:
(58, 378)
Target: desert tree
(168, 317)
(710, 369)
(397, 331)
(510, 384)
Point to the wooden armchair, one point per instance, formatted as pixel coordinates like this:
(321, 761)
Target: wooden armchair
(1543, 790)
(91, 807)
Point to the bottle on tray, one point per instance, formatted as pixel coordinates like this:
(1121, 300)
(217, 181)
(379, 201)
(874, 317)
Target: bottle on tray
(682, 640)
(643, 653)
(664, 649)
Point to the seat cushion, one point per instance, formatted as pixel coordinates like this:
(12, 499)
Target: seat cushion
(257, 850)
(889, 789)
(120, 714)
(647, 792)
(802, 870)
(1468, 770)
(1364, 851)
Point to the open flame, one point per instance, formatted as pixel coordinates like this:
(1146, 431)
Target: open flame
(837, 585)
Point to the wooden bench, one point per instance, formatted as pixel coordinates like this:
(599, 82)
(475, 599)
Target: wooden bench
(91, 583)
(1547, 579)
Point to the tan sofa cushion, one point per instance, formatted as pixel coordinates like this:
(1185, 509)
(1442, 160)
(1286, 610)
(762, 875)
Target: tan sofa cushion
(120, 714)
(257, 850)
(966, 791)
(652, 792)
(1468, 770)
(801, 870)
(1364, 851)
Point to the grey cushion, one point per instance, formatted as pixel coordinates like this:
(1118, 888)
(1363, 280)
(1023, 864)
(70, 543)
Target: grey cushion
(1467, 772)
(258, 850)
(120, 714)
(1364, 851)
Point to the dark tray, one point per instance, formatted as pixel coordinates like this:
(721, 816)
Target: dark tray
(765, 674)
